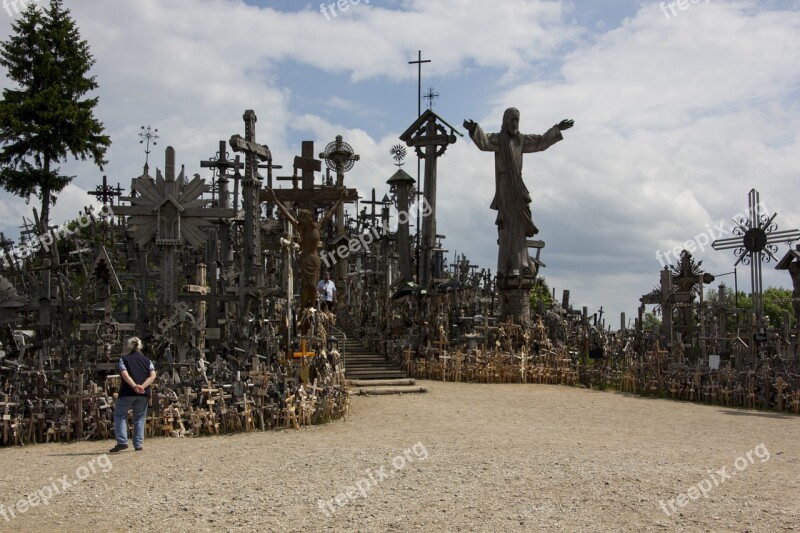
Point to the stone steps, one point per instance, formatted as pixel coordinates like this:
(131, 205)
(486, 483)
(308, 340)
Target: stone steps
(362, 363)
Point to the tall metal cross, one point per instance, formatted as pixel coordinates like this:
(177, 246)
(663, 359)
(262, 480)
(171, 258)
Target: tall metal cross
(756, 242)
(419, 63)
(105, 193)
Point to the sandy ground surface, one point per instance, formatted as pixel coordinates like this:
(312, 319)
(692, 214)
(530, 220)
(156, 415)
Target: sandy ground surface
(463, 457)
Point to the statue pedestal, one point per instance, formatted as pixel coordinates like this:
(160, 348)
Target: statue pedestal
(515, 298)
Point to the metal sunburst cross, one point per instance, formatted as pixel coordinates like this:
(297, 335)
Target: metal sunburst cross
(398, 153)
(756, 242)
(340, 157)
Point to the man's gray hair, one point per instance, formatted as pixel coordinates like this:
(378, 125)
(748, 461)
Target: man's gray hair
(135, 344)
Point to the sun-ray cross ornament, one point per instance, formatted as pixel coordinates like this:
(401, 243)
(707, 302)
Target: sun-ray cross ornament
(756, 241)
(171, 216)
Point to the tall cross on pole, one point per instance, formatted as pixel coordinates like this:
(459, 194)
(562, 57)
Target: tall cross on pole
(419, 63)
(252, 262)
(756, 242)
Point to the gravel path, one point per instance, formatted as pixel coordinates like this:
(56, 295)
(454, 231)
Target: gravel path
(463, 457)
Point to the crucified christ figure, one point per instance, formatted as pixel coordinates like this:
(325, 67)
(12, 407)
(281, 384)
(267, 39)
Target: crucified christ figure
(308, 260)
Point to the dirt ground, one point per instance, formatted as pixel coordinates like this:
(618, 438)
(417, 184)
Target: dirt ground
(463, 457)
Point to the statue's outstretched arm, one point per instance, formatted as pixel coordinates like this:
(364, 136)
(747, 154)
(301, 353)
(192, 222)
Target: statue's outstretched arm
(282, 208)
(330, 212)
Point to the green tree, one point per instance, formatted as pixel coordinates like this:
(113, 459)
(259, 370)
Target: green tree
(778, 302)
(46, 117)
(540, 293)
(743, 303)
(651, 323)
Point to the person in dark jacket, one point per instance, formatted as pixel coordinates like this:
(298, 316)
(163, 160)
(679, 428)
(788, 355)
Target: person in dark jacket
(137, 373)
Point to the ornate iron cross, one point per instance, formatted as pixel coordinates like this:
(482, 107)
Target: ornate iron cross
(756, 242)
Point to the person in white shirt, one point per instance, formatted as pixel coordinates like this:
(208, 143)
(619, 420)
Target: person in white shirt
(327, 290)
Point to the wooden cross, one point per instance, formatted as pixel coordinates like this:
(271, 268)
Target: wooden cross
(442, 343)
(303, 353)
(305, 163)
(6, 417)
(308, 195)
(443, 359)
(373, 203)
(252, 262)
(171, 217)
(407, 358)
(430, 138)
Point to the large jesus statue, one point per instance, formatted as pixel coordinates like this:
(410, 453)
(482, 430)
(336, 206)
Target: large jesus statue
(512, 199)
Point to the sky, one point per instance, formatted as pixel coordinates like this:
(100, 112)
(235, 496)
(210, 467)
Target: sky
(680, 109)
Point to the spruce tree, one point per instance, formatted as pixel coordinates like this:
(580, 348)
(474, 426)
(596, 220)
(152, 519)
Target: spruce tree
(47, 116)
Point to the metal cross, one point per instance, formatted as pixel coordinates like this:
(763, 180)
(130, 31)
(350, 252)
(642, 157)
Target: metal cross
(419, 63)
(106, 193)
(756, 242)
(430, 96)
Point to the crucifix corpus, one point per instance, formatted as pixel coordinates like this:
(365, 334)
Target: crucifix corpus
(512, 203)
(308, 260)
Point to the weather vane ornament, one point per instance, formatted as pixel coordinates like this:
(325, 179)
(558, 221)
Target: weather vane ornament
(148, 135)
(398, 153)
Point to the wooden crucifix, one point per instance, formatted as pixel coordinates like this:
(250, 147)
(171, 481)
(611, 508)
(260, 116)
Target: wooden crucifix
(308, 196)
(340, 157)
(309, 260)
